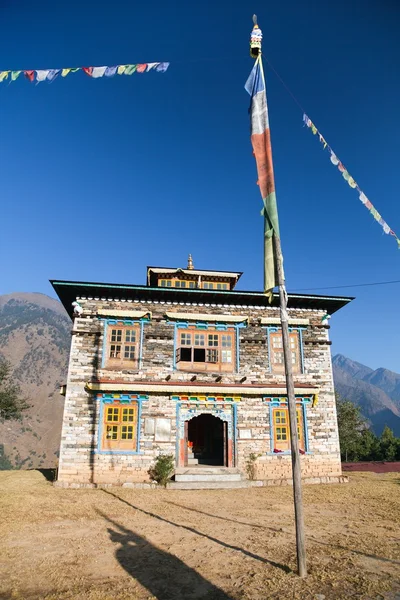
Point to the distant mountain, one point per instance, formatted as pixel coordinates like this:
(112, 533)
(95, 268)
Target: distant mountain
(35, 338)
(377, 393)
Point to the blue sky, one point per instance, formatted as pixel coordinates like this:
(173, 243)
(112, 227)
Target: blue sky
(103, 177)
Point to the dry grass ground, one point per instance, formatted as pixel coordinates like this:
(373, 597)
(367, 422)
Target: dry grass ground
(125, 544)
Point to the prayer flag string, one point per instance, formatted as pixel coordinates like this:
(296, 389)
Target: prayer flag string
(50, 74)
(352, 183)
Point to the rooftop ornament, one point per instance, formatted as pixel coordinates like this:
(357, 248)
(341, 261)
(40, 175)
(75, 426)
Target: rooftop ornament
(255, 39)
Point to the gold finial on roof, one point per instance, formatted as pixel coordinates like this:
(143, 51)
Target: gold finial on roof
(190, 263)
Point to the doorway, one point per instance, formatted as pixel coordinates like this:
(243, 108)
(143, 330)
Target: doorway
(207, 439)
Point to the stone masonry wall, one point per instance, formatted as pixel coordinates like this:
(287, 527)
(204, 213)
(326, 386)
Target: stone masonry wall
(79, 461)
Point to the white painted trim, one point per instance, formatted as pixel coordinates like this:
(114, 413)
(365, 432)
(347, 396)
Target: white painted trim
(184, 316)
(181, 388)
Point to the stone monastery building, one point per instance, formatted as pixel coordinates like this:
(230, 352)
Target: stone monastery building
(188, 365)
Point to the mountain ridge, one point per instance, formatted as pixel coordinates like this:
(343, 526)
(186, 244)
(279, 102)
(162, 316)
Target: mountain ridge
(376, 392)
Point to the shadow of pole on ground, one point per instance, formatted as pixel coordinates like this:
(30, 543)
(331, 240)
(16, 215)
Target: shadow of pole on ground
(284, 531)
(165, 576)
(284, 568)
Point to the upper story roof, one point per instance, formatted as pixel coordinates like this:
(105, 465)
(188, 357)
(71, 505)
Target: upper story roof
(191, 277)
(69, 291)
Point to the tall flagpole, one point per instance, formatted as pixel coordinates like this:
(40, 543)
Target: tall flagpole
(255, 52)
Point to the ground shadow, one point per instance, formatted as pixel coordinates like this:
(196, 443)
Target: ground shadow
(202, 512)
(284, 568)
(165, 576)
(311, 538)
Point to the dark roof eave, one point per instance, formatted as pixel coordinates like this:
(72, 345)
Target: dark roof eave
(67, 291)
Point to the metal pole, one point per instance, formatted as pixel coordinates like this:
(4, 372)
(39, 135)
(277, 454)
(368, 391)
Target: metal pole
(294, 440)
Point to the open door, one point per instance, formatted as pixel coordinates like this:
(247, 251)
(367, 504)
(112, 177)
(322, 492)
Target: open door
(186, 438)
(225, 430)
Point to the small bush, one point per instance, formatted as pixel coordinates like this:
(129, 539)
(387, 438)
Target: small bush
(251, 465)
(162, 469)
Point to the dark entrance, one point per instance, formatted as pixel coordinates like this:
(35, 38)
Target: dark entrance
(207, 439)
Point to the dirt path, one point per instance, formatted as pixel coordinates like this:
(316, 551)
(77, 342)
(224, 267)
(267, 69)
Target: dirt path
(125, 544)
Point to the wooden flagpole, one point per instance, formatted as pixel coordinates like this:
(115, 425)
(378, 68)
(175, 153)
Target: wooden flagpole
(294, 440)
(287, 355)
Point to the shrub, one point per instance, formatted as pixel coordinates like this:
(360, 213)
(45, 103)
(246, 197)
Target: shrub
(251, 465)
(162, 469)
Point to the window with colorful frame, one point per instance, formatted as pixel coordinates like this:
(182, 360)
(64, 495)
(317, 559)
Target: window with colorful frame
(205, 349)
(275, 349)
(122, 346)
(281, 429)
(119, 427)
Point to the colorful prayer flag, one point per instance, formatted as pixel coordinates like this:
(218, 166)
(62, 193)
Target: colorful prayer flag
(261, 141)
(98, 71)
(30, 75)
(3, 75)
(130, 69)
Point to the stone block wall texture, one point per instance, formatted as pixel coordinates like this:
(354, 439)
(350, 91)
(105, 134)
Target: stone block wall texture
(80, 463)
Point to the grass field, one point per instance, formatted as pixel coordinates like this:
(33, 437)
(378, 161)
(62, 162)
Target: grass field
(121, 544)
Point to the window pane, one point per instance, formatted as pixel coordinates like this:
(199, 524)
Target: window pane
(116, 335)
(192, 284)
(212, 340)
(199, 339)
(129, 353)
(186, 339)
(112, 414)
(281, 434)
(126, 432)
(169, 283)
(115, 351)
(212, 356)
(226, 356)
(128, 414)
(130, 335)
(112, 432)
(163, 283)
(226, 341)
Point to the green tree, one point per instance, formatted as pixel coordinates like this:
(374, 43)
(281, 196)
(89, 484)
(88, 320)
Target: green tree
(389, 444)
(12, 403)
(369, 446)
(351, 426)
(5, 464)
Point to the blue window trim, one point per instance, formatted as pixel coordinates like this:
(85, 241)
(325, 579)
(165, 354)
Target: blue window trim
(124, 399)
(204, 326)
(274, 329)
(108, 322)
(276, 402)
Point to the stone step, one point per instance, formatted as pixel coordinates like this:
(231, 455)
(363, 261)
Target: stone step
(207, 474)
(193, 461)
(190, 455)
(207, 485)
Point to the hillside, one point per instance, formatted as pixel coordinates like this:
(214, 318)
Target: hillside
(35, 338)
(377, 392)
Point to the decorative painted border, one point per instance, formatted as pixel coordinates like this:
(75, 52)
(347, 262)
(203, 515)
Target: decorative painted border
(108, 322)
(272, 329)
(276, 402)
(105, 399)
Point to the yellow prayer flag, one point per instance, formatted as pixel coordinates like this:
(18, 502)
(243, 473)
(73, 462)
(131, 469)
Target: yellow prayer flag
(121, 69)
(3, 75)
(65, 72)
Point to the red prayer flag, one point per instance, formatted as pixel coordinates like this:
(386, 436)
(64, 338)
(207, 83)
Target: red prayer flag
(141, 68)
(30, 75)
(88, 70)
